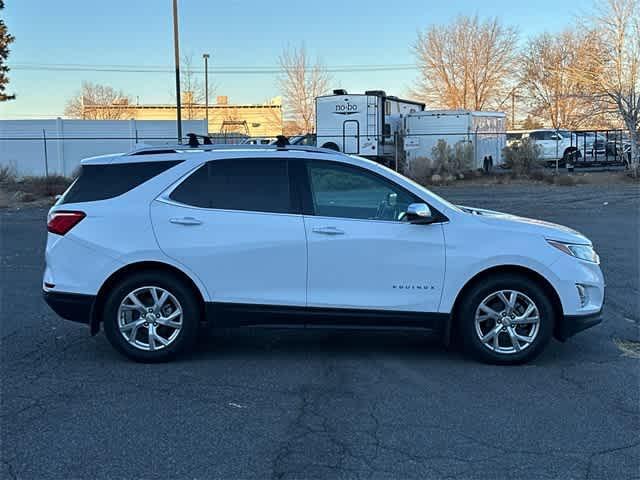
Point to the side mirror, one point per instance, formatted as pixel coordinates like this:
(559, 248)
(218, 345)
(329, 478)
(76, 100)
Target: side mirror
(419, 213)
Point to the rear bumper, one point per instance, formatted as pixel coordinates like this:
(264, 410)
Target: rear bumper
(572, 324)
(70, 306)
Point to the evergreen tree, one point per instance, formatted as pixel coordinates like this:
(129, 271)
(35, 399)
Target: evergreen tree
(5, 41)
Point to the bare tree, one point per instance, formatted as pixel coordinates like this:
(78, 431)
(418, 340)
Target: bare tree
(301, 83)
(531, 123)
(547, 64)
(467, 64)
(273, 116)
(99, 102)
(615, 87)
(193, 92)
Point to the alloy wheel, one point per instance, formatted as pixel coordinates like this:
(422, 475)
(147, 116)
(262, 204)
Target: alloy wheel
(150, 318)
(507, 322)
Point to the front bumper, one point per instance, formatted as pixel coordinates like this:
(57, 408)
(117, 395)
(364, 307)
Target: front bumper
(572, 324)
(70, 306)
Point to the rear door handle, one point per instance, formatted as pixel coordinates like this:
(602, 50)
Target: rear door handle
(328, 231)
(186, 221)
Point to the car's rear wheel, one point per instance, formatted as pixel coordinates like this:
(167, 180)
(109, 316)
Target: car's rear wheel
(506, 319)
(151, 316)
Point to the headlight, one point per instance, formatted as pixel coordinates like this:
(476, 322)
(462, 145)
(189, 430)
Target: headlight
(583, 252)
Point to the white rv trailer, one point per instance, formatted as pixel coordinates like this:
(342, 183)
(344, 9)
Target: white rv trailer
(362, 124)
(485, 131)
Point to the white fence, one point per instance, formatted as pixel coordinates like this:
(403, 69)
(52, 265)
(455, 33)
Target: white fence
(38, 147)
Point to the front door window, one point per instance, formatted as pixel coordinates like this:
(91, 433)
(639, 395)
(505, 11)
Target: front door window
(349, 192)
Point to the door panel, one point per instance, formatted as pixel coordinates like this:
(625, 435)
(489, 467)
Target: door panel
(235, 224)
(360, 252)
(244, 257)
(351, 136)
(374, 264)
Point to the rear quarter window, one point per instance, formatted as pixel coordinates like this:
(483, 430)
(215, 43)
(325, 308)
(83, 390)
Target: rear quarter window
(258, 185)
(100, 182)
(536, 135)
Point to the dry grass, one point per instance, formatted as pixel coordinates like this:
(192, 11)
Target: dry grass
(41, 187)
(524, 159)
(564, 180)
(16, 191)
(629, 347)
(5, 200)
(7, 175)
(546, 177)
(446, 165)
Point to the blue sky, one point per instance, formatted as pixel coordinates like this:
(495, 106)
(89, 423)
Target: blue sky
(235, 33)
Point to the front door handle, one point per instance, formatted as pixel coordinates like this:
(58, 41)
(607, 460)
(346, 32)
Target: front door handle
(328, 231)
(186, 221)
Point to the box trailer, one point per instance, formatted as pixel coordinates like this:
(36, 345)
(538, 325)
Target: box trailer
(362, 124)
(484, 131)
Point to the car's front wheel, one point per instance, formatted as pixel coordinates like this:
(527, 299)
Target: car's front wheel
(151, 316)
(506, 319)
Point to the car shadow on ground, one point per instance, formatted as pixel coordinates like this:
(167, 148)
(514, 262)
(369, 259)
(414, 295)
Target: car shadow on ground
(291, 344)
(260, 341)
(285, 343)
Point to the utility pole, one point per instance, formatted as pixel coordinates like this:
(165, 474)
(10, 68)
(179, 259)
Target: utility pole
(176, 50)
(206, 88)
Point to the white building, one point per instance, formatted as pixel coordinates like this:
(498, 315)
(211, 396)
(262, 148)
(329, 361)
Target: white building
(56, 146)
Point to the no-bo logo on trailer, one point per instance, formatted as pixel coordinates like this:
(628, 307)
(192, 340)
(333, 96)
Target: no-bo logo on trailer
(346, 108)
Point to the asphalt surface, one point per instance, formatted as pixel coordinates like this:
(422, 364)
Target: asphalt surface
(326, 404)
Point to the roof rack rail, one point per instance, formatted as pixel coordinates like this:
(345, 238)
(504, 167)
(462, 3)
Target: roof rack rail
(176, 148)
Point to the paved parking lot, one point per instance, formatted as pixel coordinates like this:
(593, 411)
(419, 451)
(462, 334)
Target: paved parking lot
(327, 404)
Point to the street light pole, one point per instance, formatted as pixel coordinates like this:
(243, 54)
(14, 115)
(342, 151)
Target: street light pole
(206, 88)
(176, 50)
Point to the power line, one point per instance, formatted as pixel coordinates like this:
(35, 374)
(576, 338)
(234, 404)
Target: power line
(219, 70)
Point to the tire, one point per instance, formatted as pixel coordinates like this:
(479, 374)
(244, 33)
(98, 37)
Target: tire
(331, 146)
(122, 317)
(485, 294)
(570, 156)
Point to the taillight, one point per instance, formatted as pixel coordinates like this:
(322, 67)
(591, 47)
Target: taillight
(61, 222)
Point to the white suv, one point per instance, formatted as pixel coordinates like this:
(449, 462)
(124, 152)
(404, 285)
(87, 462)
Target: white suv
(553, 144)
(563, 145)
(152, 243)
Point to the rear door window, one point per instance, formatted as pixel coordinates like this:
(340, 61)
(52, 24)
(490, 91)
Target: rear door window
(100, 182)
(259, 185)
